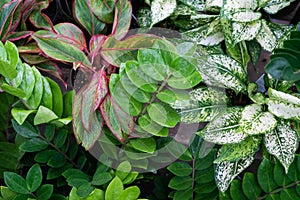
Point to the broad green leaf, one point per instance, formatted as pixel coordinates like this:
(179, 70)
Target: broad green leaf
(7, 194)
(255, 121)
(147, 145)
(186, 71)
(86, 17)
(68, 102)
(45, 192)
(236, 190)
(288, 194)
(12, 90)
(282, 142)
(163, 115)
(250, 186)
(33, 145)
(59, 50)
(280, 177)
(44, 115)
(130, 193)
(185, 82)
(265, 176)
(44, 156)
(101, 178)
(34, 178)
(20, 115)
(234, 152)
(37, 93)
(266, 37)
(225, 171)
(57, 160)
(47, 95)
(180, 169)
(181, 183)
(224, 128)
(123, 170)
(152, 127)
(17, 81)
(25, 130)
(57, 97)
(114, 189)
(28, 82)
(283, 105)
(161, 9)
(123, 12)
(15, 183)
(202, 105)
(223, 71)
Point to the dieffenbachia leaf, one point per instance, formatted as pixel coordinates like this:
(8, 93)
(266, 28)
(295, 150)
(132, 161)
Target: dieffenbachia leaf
(272, 7)
(245, 30)
(282, 142)
(255, 121)
(283, 105)
(226, 171)
(202, 105)
(223, 71)
(213, 5)
(266, 37)
(161, 9)
(196, 4)
(224, 128)
(234, 152)
(86, 18)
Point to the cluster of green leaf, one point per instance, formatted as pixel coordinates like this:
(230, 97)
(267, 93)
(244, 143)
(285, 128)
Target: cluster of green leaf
(284, 62)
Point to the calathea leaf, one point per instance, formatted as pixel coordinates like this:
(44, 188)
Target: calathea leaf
(202, 105)
(255, 121)
(282, 142)
(223, 71)
(161, 9)
(226, 171)
(283, 105)
(234, 152)
(224, 128)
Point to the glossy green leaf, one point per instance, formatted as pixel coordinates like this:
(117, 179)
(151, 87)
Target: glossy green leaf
(186, 71)
(21, 115)
(288, 194)
(37, 93)
(130, 193)
(25, 130)
(101, 178)
(180, 169)
(180, 183)
(33, 145)
(28, 82)
(44, 156)
(185, 82)
(265, 176)
(282, 142)
(57, 97)
(147, 145)
(236, 190)
(161, 9)
(44, 115)
(57, 160)
(250, 186)
(34, 178)
(13, 91)
(280, 177)
(45, 192)
(123, 170)
(47, 95)
(152, 127)
(15, 183)
(114, 189)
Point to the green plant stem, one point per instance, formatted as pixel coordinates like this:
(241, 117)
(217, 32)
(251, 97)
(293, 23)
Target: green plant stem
(279, 189)
(193, 175)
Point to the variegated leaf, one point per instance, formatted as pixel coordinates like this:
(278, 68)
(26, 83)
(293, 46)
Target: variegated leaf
(273, 6)
(284, 105)
(144, 17)
(161, 9)
(234, 152)
(245, 4)
(282, 143)
(196, 4)
(266, 37)
(224, 128)
(223, 71)
(226, 171)
(244, 16)
(202, 106)
(255, 121)
(245, 30)
(213, 5)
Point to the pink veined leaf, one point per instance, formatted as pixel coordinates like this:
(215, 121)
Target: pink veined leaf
(95, 47)
(119, 122)
(113, 50)
(123, 12)
(14, 36)
(40, 20)
(30, 48)
(92, 97)
(53, 69)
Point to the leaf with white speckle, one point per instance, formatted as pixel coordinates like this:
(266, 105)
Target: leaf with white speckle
(282, 142)
(244, 16)
(255, 121)
(272, 7)
(266, 37)
(161, 9)
(245, 30)
(226, 171)
(244, 4)
(213, 5)
(283, 105)
(224, 128)
(196, 4)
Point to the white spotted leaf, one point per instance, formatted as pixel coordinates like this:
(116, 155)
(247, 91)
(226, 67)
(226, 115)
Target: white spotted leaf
(266, 38)
(272, 7)
(245, 30)
(161, 9)
(244, 16)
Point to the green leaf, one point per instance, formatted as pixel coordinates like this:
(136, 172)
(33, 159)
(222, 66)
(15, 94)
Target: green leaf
(21, 115)
(161, 9)
(224, 128)
(233, 152)
(151, 127)
(7, 70)
(15, 183)
(288, 194)
(85, 189)
(57, 160)
(13, 91)
(101, 178)
(7, 194)
(68, 102)
(147, 145)
(282, 142)
(47, 95)
(265, 176)
(28, 82)
(44, 115)
(236, 190)
(123, 170)
(185, 82)
(57, 97)
(45, 192)
(283, 105)
(183, 194)
(33, 145)
(226, 171)
(34, 178)
(131, 193)
(180, 183)
(180, 169)
(163, 115)
(59, 50)
(44, 156)
(280, 177)
(114, 189)
(250, 186)
(26, 129)
(254, 121)
(37, 93)
(179, 71)
(103, 10)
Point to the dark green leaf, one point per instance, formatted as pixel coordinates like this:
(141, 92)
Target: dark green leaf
(15, 182)
(151, 127)
(265, 176)
(57, 97)
(180, 168)
(181, 183)
(33, 145)
(280, 177)
(60, 138)
(57, 160)
(101, 178)
(44, 156)
(45, 192)
(250, 186)
(289, 194)
(85, 189)
(26, 130)
(34, 178)
(184, 194)
(49, 132)
(236, 190)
